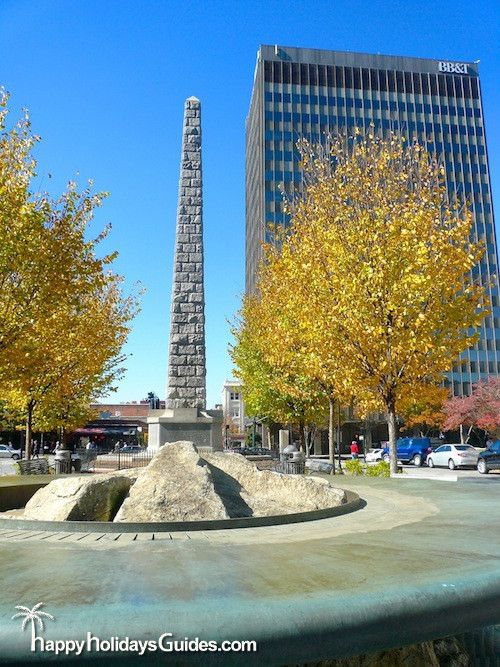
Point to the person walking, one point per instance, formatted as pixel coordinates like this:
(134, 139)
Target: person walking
(354, 450)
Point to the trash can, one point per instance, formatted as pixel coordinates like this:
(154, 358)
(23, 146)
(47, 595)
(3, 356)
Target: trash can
(77, 463)
(62, 461)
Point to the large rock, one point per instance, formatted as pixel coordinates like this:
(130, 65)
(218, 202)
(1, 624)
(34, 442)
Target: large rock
(247, 491)
(83, 498)
(175, 486)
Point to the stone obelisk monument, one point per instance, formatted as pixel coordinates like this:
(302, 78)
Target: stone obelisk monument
(186, 387)
(185, 416)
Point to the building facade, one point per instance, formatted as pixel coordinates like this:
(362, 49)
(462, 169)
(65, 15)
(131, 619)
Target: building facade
(233, 409)
(123, 422)
(310, 93)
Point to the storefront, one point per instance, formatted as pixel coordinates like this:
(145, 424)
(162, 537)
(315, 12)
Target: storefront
(105, 433)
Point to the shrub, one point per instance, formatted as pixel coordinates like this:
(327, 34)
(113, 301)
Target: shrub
(354, 467)
(380, 469)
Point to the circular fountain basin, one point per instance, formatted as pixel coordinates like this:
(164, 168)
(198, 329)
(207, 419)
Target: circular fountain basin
(418, 560)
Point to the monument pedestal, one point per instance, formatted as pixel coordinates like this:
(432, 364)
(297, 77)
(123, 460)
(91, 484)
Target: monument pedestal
(202, 427)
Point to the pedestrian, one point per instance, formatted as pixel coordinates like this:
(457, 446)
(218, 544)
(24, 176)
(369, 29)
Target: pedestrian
(354, 450)
(36, 449)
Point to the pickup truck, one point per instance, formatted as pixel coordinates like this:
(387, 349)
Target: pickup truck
(410, 450)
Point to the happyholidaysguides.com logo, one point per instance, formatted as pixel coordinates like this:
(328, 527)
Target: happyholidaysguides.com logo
(35, 618)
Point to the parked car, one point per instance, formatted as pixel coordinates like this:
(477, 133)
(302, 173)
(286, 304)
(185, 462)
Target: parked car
(7, 452)
(489, 459)
(410, 450)
(374, 455)
(453, 456)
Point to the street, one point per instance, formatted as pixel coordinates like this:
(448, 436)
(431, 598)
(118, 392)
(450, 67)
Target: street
(444, 474)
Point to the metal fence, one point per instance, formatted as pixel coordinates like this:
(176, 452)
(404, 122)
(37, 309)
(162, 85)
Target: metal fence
(106, 461)
(100, 460)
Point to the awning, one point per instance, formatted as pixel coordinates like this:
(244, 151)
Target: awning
(105, 431)
(89, 431)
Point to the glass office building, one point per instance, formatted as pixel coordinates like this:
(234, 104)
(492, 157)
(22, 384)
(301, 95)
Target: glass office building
(308, 92)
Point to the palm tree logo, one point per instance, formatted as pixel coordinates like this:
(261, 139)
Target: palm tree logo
(35, 616)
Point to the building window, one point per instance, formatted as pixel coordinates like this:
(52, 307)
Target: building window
(235, 396)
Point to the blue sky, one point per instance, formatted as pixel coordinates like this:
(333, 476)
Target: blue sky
(105, 82)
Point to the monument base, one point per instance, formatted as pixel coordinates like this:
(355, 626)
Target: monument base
(201, 427)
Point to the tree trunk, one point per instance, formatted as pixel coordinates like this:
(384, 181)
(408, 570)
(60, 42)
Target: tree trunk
(302, 437)
(307, 440)
(339, 434)
(462, 434)
(29, 429)
(312, 437)
(331, 441)
(391, 422)
(63, 438)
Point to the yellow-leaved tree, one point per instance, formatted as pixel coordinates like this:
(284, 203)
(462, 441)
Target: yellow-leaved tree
(273, 392)
(386, 260)
(423, 408)
(63, 316)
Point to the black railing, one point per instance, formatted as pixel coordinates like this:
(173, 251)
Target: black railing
(99, 460)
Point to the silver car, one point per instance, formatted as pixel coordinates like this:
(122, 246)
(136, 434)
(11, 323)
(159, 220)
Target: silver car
(374, 455)
(453, 456)
(7, 452)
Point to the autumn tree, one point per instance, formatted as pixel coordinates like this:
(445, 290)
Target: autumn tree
(273, 392)
(381, 261)
(393, 265)
(422, 408)
(480, 410)
(63, 317)
(22, 232)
